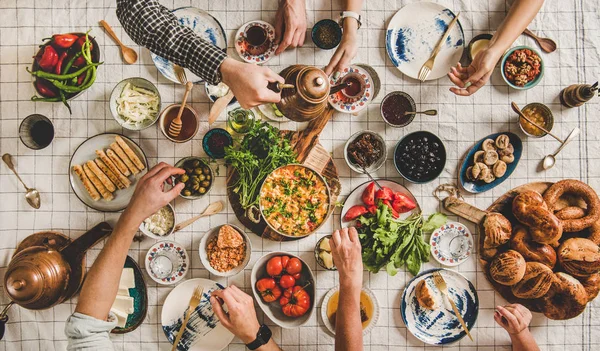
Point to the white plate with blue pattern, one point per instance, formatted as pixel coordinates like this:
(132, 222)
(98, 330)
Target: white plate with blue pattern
(204, 331)
(415, 30)
(205, 26)
(440, 326)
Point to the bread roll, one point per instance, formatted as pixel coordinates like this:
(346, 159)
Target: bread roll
(535, 283)
(114, 168)
(117, 161)
(106, 195)
(579, 257)
(530, 250)
(103, 178)
(565, 299)
(119, 151)
(130, 153)
(591, 285)
(508, 268)
(530, 209)
(497, 230)
(87, 183)
(425, 296)
(110, 174)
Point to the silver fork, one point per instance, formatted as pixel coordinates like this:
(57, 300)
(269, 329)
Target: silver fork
(428, 65)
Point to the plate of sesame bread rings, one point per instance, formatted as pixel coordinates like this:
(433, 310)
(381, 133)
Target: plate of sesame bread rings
(539, 246)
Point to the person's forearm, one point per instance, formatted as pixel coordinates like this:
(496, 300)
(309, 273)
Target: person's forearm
(102, 281)
(348, 326)
(155, 27)
(524, 341)
(519, 16)
(350, 25)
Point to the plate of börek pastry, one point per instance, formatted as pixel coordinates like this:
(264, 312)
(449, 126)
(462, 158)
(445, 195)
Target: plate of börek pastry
(104, 170)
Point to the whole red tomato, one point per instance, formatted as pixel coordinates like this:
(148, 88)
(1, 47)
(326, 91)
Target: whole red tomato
(287, 281)
(295, 302)
(276, 264)
(294, 266)
(268, 289)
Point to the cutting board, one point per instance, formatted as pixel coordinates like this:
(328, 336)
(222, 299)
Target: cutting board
(310, 153)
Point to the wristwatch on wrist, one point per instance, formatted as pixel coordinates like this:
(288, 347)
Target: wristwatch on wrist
(345, 14)
(262, 338)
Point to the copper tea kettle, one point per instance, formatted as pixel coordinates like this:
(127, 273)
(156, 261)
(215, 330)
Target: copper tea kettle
(48, 267)
(308, 99)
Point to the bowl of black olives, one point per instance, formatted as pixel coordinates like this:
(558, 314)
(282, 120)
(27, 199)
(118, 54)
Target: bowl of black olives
(198, 177)
(420, 157)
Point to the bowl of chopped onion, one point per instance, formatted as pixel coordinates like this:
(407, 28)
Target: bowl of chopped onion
(135, 103)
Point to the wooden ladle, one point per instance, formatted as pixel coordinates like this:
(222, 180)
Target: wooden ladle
(129, 55)
(546, 44)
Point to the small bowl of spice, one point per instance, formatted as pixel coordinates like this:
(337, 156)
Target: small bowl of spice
(189, 122)
(394, 107)
(365, 149)
(541, 115)
(161, 224)
(225, 250)
(215, 141)
(326, 34)
(323, 254)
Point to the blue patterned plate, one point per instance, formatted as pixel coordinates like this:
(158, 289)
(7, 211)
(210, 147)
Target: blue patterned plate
(205, 26)
(479, 186)
(451, 244)
(440, 326)
(415, 30)
(204, 331)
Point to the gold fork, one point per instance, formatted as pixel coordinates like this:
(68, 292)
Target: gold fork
(428, 65)
(194, 302)
(175, 126)
(440, 283)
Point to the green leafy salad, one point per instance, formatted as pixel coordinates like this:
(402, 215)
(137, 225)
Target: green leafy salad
(392, 243)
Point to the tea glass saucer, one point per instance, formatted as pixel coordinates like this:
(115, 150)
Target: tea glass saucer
(241, 44)
(451, 244)
(167, 262)
(340, 102)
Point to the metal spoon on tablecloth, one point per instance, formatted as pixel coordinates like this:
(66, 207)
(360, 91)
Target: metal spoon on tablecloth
(32, 195)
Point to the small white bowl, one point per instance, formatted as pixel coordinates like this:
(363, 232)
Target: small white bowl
(150, 234)
(204, 256)
(375, 166)
(116, 92)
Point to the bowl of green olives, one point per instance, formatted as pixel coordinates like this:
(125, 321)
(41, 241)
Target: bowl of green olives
(198, 177)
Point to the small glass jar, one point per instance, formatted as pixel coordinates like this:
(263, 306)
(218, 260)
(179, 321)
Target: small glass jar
(240, 120)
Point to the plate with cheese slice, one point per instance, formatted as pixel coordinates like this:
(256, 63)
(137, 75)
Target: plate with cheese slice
(104, 170)
(131, 303)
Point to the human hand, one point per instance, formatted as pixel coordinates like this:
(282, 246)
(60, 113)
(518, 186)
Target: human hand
(515, 318)
(344, 53)
(346, 251)
(471, 78)
(241, 317)
(290, 24)
(248, 82)
(149, 195)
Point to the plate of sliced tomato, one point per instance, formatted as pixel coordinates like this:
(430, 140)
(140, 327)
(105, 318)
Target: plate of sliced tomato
(284, 287)
(365, 198)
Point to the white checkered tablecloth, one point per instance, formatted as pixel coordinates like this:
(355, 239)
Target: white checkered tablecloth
(574, 24)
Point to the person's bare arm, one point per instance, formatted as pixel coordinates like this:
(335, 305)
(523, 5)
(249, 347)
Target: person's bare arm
(470, 79)
(241, 317)
(515, 319)
(346, 251)
(348, 47)
(102, 281)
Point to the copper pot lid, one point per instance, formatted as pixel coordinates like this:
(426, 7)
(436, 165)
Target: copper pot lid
(313, 84)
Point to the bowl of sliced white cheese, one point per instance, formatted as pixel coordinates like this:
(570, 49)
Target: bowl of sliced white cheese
(161, 224)
(135, 103)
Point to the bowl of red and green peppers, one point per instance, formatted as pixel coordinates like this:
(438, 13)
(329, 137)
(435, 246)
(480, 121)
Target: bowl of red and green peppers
(64, 67)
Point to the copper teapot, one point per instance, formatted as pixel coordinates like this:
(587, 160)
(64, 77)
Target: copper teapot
(48, 267)
(308, 97)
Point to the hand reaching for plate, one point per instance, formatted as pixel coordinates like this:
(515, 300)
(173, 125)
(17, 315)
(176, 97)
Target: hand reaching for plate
(149, 195)
(240, 318)
(290, 24)
(470, 79)
(346, 251)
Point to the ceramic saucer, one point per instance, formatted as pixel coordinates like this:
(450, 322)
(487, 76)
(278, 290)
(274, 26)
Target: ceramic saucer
(451, 244)
(366, 328)
(340, 102)
(167, 262)
(241, 45)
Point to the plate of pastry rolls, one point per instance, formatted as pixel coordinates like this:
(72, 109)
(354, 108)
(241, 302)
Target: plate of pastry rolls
(104, 171)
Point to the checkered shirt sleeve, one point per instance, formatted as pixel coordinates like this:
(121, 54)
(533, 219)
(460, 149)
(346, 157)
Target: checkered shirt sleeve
(154, 26)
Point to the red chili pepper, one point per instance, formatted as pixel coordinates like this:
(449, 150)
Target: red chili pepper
(81, 78)
(81, 41)
(64, 41)
(47, 58)
(59, 64)
(79, 62)
(45, 88)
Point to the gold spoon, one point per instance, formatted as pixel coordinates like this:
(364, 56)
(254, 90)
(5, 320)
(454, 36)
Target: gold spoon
(32, 195)
(212, 209)
(426, 112)
(546, 44)
(520, 113)
(129, 55)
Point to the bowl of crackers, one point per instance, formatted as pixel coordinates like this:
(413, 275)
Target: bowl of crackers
(225, 250)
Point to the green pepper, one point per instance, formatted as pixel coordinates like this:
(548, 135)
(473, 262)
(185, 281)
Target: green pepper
(52, 99)
(72, 89)
(64, 101)
(49, 76)
(70, 63)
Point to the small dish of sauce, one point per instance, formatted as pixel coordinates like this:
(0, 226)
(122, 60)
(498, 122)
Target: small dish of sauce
(366, 308)
(478, 43)
(394, 106)
(541, 115)
(189, 123)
